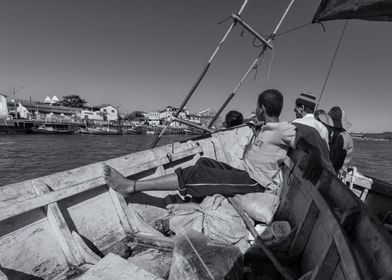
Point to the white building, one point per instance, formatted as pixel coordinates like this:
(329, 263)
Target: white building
(3, 107)
(109, 112)
(90, 115)
(153, 117)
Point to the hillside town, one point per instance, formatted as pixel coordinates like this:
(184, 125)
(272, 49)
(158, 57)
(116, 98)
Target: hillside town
(71, 114)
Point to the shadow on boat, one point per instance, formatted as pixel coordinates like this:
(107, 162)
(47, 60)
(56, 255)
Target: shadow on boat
(14, 274)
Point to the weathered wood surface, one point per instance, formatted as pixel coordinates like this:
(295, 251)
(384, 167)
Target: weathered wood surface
(31, 250)
(366, 240)
(153, 240)
(303, 232)
(327, 226)
(60, 227)
(113, 267)
(86, 253)
(35, 220)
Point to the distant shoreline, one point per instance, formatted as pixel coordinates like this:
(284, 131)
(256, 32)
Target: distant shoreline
(384, 136)
(372, 139)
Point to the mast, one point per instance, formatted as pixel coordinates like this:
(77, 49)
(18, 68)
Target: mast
(255, 62)
(202, 74)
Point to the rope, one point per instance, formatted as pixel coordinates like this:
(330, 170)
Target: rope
(332, 62)
(213, 145)
(300, 27)
(293, 29)
(198, 255)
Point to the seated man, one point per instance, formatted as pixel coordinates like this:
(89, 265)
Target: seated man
(233, 118)
(261, 162)
(304, 112)
(342, 144)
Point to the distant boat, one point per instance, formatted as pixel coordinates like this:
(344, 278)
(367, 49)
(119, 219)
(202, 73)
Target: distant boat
(134, 130)
(50, 129)
(99, 131)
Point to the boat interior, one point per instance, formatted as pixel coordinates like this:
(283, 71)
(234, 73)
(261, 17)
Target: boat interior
(60, 226)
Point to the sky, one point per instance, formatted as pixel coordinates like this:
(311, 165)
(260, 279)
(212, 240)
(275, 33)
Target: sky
(146, 55)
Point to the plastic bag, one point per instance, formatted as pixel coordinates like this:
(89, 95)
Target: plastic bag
(260, 207)
(195, 256)
(215, 217)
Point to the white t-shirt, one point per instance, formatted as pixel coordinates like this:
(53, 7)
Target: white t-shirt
(310, 120)
(262, 157)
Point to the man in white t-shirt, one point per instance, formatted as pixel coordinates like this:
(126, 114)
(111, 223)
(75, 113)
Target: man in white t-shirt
(261, 162)
(304, 112)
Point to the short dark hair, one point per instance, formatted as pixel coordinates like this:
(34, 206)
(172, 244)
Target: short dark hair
(234, 118)
(272, 100)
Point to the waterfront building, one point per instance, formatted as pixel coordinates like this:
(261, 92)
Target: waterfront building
(41, 109)
(3, 106)
(109, 112)
(90, 115)
(206, 116)
(153, 118)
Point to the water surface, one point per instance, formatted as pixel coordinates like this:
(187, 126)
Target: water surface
(24, 157)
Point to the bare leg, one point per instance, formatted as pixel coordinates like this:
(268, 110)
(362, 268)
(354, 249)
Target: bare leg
(126, 186)
(117, 181)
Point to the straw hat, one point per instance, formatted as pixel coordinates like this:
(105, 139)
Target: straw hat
(338, 117)
(323, 117)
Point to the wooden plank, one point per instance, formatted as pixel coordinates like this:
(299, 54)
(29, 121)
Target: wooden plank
(59, 226)
(304, 230)
(32, 250)
(122, 210)
(350, 216)
(113, 267)
(328, 263)
(153, 240)
(131, 221)
(11, 209)
(333, 227)
(88, 255)
(3, 276)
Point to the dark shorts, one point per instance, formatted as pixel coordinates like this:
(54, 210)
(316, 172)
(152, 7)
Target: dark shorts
(209, 177)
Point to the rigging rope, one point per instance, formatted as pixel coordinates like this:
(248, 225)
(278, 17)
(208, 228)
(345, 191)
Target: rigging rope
(299, 27)
(332, 62)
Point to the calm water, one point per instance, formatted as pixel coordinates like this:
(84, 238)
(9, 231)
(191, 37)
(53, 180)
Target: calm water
(25, 157)
(374, 158)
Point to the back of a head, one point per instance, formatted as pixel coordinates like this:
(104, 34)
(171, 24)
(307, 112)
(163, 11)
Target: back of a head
(308, 100)
(233, 118)
(338, 116)
(272, 100)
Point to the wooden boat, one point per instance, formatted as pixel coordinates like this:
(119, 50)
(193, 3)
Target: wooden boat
(134, 130)
(50, 129)
(51, 226)
(100, 131)
(375, 193)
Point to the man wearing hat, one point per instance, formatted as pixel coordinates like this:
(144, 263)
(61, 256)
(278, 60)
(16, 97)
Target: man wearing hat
(304, 111)
(342, 144)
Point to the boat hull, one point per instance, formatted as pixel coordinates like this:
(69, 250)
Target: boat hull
(52, 224)
(44, 131)
(95, 131)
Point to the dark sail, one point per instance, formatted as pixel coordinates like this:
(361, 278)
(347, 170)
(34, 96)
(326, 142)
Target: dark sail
(377, 10)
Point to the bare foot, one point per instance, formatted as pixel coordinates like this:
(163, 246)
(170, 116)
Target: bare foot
(117, 181)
